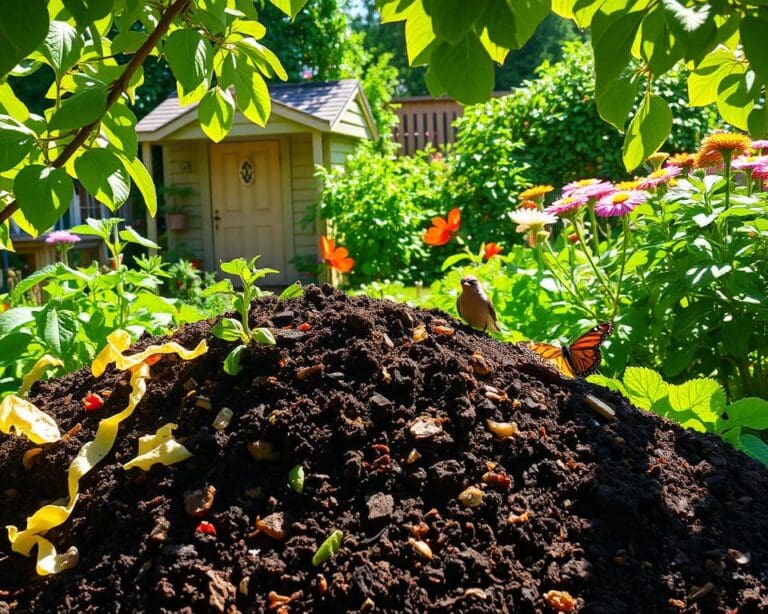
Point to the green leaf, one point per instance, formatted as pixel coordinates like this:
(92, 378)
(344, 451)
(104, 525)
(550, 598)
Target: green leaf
(263, 336)
(129, 42)
(658, 47)
(252, 94)
(645, 387)
(62, 47)
(453, 259)
(16, 142)
(328, 548)
(465, 70)
(58, 329)
(616, 99)
(750, 412)
(703, 82)
(293, 291)
(612, 38)
(757, 121)
(445, 21)
(87, 11)
(528, 14)
(236, 266)
(735, 98)
(262, 57)
(119, 126)
(13, 346)
(82, 108)
(222, 287)
(143, 181)
(232, 364)
(23, 26)
(608, 382)
(43, 194)
(15, 318)
(102, 173)
(11, 105)
(296, 478)
(129, 235)
(289, 7)
(754, 447)
(216, 112)
(30, 281)
(190, 57)
(704, 397)
(754, 39)
(228, 329)
(419, 34)
(647, 131)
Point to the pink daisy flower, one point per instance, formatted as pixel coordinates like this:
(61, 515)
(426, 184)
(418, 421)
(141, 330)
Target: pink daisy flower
(760, 146)
(620, 203)
(567, 203)
(749, 163)
(61, 236)
(590, 188)
(760, 172)
(656, 178)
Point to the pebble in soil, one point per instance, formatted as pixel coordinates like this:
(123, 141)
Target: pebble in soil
(438, 513)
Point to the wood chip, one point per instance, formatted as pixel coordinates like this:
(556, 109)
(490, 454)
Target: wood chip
(412, 457)
(443, 330)
(203, 403)
(518, 518)
(424, 427)
(273, 526)
(476, 592)
(421, 547)
(306, 372)
(222, 419)
(740, 558)
(198, 502)
(601, 408)
(480, 364)
(420, 333)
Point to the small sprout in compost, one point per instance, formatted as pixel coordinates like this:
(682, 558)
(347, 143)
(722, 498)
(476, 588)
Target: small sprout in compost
(502, 430)
(92, 402)
(296, 478)
(206, 528)
(421, 547)
(561, 601)
(471, 497)
(328, 548)
(223, 418)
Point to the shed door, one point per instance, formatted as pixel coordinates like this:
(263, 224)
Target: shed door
(247, 204)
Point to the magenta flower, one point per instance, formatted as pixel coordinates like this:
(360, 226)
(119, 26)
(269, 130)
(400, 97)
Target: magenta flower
(61, 237)
(760, 146)
(656, 178)
(620, 203)
(760, 172)
(567, 203)
(589, 188)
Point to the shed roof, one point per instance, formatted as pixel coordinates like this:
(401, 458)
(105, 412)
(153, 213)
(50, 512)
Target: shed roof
(318, 105)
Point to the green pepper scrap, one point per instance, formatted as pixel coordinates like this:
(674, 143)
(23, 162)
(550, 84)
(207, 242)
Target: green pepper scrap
(328, 548)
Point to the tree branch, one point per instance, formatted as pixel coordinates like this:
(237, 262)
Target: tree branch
(115, 91)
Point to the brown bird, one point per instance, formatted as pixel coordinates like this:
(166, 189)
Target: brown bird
(474, 306)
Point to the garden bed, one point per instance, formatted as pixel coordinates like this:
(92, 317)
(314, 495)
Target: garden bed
(633, 515)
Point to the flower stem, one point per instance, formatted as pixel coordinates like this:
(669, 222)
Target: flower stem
(621, 270)
(595, 231)
(590, 260)
(727, 164)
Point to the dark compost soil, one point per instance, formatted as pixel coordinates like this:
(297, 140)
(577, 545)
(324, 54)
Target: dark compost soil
(636, 515)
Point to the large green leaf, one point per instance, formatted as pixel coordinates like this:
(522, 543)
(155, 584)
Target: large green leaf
(658, 47)
(419, 34)
(129, 235)
(750, 412)
(58, 329)
(528, 15)
(645, 387)
(736, 97)
(104, 176)
(704, 397)
(252, 94)
(612, 41)
(43, 194)
(87, 11)
(216, 112)
(62, 47)
(119, 126)
(190, 57)
(465, 69)
(754, 447)
(80, 109)
(16, 318)
(451, 19)
(13, 346)
(615, 101)
(11, 105)
(23, 26)
(754, 38)
(16, 141)
(143, 181)
(647, 131)
(289, 7)
(705, 79)
(757, 121)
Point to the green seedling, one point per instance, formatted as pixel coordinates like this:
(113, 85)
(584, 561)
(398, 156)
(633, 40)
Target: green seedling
(328, 548)
(296, 478)
(230, 329)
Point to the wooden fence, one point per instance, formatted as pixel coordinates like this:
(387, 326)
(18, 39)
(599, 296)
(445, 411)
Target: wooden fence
(425, 121)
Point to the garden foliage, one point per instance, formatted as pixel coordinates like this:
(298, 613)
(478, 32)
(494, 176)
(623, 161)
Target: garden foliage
(699, 404)
(459, 42)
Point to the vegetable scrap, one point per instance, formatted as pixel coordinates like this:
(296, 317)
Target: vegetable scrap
(471, 497)
(92, 402)
(328, 548)
(36, 372)
(159, 448)
(206, 528)
(561, 601)
(198, 502)
(296, 478)
(20, 417)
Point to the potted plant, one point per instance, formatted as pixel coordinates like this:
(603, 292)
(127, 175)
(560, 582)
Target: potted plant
(175, 212)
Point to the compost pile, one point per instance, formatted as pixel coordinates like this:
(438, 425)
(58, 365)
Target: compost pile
(387, 410)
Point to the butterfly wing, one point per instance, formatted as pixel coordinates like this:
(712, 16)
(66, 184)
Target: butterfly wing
(553, 354)
(584, 355)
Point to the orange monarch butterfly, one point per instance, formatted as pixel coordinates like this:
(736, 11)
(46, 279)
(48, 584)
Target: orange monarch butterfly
(582, 357)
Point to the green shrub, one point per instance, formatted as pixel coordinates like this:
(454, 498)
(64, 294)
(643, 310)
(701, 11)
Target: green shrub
(556, 117)
(380, 205)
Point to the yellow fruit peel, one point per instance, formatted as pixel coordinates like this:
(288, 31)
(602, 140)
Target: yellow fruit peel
(20, 417)
(50, 516)
(159, 448)
(37, 371)
(120, 340)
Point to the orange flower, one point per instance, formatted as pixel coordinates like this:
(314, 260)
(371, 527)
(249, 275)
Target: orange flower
(335, 257)
(528, 204)
(716, 147)
(491, 249)
(441, 230)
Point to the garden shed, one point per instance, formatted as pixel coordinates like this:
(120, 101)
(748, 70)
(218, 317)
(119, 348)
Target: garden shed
(249, 194)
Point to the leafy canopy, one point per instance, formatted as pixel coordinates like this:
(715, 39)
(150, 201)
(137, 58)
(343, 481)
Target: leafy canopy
(724, 44)
(92, 53)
